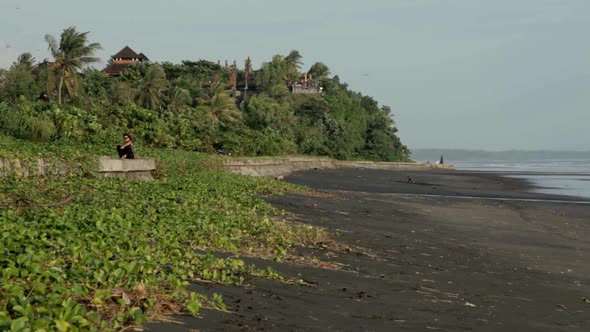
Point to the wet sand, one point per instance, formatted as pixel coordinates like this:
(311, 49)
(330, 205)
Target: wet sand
(419, 257)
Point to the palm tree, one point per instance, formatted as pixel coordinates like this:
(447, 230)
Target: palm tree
(273, 76)
(221, 110)
(205, 96)
(294, 63)
(122, 93)
(152, 88)
(294, 59)
(319, 71)
(179, 98)
(26, 59)
(18, 80)
(70, 55)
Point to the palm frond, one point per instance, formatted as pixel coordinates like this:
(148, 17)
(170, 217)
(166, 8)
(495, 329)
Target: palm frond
(53, 46)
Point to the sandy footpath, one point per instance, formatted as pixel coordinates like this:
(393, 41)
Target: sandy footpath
(420, 257)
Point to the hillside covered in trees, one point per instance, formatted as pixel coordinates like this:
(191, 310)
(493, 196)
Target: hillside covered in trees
(194, 105)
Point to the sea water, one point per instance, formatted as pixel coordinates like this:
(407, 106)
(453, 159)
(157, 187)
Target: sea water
(551, 176)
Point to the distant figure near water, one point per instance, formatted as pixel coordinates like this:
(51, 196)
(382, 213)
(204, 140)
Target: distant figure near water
(126, 150)
(440, 161)
(409, 179)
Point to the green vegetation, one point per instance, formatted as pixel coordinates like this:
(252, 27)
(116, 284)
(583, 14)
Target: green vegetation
(83, 253)
(192, 106)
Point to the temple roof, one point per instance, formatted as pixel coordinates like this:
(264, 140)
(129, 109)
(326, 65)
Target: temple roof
(127, 53)
(122, 60)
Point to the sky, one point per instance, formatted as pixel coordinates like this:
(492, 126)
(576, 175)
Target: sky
(465, 74)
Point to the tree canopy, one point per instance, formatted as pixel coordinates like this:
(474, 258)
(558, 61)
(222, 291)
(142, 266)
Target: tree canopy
(194, 105)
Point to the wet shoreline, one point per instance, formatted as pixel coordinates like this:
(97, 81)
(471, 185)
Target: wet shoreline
(418, 263)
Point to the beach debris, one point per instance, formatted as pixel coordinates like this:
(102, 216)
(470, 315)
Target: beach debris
(126, 298)
(469, 304)
(280, 178)
(119, 294)
(441, 301)
(55, 268)
(140, 291)
(585, 300)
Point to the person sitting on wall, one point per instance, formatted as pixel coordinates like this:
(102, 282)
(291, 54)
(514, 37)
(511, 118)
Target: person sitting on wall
(126, 150)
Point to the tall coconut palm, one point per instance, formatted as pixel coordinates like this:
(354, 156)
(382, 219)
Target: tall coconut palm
(152, 88)
(71, 54)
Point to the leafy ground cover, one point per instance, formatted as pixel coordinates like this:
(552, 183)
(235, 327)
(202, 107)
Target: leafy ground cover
(84, 253)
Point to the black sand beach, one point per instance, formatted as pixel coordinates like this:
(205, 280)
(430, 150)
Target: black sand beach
(406, 259)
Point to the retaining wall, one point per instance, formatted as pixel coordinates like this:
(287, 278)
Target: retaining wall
(143, 168)
(273, 167)
(36, 167)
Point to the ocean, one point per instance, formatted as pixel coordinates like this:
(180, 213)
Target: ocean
(560, 173)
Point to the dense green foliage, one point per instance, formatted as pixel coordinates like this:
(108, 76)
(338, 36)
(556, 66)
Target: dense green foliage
(85, 253)
(192, 106)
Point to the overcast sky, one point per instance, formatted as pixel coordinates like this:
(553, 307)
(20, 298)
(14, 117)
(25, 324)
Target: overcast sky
(475, 74)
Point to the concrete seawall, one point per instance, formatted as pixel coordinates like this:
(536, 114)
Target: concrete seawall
(272, 167)
(107, 167)
(35, 167)
(127, 168)
(145, 168)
